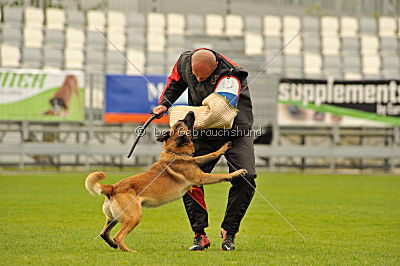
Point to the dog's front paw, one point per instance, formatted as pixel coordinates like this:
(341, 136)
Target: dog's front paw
(241, 172)
(225, 147)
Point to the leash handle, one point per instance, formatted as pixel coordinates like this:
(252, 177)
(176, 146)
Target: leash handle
(142, 130)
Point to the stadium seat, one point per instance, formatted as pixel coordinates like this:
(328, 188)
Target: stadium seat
(136, 23)
(253, 43)
(13, 17)
(332, 66)
(368, 26)
(155, 59)
(75, 19)
(390, 66)
(96, 20)
(54, 38)
(353, 76)
(171, 59)
(10, 55)
(369, 45)
(351, 65)
(117, 39)
(138, 59)
(75, 38)
(214, 25)
(115, 62)
(311, 42)
(135, 40)
(11, 35)
(252, 24)
(33, 18)
(155, 42)
(95, 41)
(194, 24)
(155, 23)
(73, 59)
(330, 45)
(116, 21)
(387, 27)
(311, 24)
(388, 46)
(233, 25)
(33, 38)
(94, 60)
(350, 45)
(329, 26)
(291, 27)
(31, 57)
(312, 65)
(272, 44)
(155, 70)
(53, 59)
(371, 65)
(348, 27)
(272, 26)
(55, 19)
(293, 66)
(175, 42)
(175, 24)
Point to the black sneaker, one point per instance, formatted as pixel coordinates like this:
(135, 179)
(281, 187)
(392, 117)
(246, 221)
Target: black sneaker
(200, 242)
(228, 240)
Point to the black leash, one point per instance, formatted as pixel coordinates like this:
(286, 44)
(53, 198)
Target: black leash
(141, 131)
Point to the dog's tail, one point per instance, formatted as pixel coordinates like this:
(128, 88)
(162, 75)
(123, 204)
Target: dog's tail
(96, 188)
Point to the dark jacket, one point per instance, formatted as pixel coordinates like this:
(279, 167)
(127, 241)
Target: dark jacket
(182, 78)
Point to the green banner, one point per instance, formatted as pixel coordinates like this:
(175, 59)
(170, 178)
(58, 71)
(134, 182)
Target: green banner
(36, 95)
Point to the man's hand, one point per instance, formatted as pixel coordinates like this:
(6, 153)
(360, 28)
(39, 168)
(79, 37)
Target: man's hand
(160, 110)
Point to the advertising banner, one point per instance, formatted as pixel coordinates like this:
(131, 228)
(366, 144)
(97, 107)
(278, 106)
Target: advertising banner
(129, 99)
(41, 95)
(342, 102)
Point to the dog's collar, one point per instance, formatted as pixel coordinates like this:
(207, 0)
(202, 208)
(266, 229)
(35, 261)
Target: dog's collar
(186, 154)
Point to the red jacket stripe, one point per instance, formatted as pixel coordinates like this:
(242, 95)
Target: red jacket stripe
(173, 77)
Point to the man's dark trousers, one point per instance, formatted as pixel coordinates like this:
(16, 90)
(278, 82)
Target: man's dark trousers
(240, 155)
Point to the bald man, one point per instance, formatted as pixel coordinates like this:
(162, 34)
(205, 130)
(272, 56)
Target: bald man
(201, 71)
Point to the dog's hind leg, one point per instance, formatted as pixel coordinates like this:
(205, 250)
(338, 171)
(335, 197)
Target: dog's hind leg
(110, 223)
(129, 218)
(105, 234)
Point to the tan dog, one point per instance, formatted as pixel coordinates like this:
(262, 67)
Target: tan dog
(165, 181)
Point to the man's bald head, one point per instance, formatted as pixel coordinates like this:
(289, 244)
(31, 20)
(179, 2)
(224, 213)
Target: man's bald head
(204, 63)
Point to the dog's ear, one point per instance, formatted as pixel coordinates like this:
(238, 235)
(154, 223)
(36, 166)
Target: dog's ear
(182, 140)
(164, 136)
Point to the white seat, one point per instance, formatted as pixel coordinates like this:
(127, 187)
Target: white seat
(96, 19)
(33, 18)
(73, 59)
(155, 42)
(330, 45)
(138, 58)
(75, 38)
(329, 26)
(155, 23)
(312, 64)
(175, 24)
(9, 55)
(369, 45)
(116, 21)
(214, 24)
(253, 43)
(116, 38)
(55, 18)
(371, 65)
(291, 25)
(387, 27)
(33, 38)
(294, 47)
(233, 25)
(348, 26)
(272, 25)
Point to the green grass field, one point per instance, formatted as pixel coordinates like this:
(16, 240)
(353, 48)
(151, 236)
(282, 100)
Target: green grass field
(346, 219)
